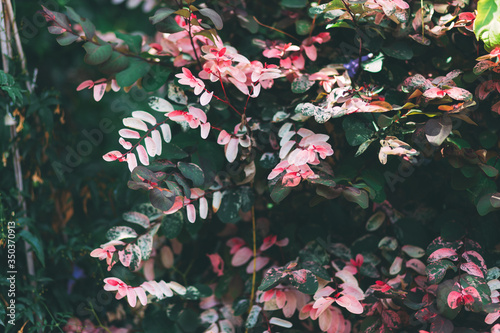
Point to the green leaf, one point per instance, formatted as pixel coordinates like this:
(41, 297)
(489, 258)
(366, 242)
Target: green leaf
(443, 291)
(172, 224)
(136, 256)
(305, 281)
(363, 147)
(358, 196)
(35, 243)
(375, 221)
(168, 25)
(116, 63)
(294, 3)
(192, 172)
(302, 84)
(253, 316)
(230, 207)
(271, 279)
(213, 16)
(388, 243)
(155, 78)
(137, 218)
(120, 232)
(400, 50)
(161, 198)
(161, 14)
(356, 131)
(136, 70)
(280, 192)
(489, 170)
(437, 270)
(240, 306)
(145, 243)
(316, 269)
(133, 41)
(97, 54)
(487, 23)
(173, 152)
(66, 38)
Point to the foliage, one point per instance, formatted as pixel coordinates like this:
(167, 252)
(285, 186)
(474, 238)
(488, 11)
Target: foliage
(276, 163)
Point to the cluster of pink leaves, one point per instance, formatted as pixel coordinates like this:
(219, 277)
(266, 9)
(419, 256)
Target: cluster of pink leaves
(242, 253)
(159, 290)
(296, 156)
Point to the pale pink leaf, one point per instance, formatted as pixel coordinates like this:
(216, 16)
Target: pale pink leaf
(99, 90)
(325, 320)
(241, 256)
(326, 291)
(203, 207)
(131, 161)
(260, 262)
(156, 136)
(198, 114)
(223, 138)
(191, 213)
(268, 242)
(131, 297)
(417, 265)
(114, 86)
(167, 134)
(280, 322)
(206, 97)
(322, 304)
(125, 144)
(350, 303)
(143, 155)
(112, 156)
(283, 242)
(492, 317)
(216, 201)
(167, 256)
(205, 130)
(232, 150)
(129, 134)
(150, 146)
(135, 123)
(145, 116)
(141, 295)
(396, 266)
(291, 305)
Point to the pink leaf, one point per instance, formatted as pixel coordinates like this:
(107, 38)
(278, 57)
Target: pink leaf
(223, 138)
(454, 299)
(125, 144)
(85, 84)
(268, 242)
(131, 161)
(205, 130)
(99, 90)
(283, 242)
(145, 116)
(443, 253)
(232, 150)
(216, 201)
(241, 256)
(325, 320)
(156, 136)
(203, 207)
(416, 265)
(259, 264)
(167, 134)
(112, 156)
(206, 97)
(322, 304)
(459, 94)
(217, 263)
(472, 269)
(131, 297)
(135, 123)
(191, 213)
(198, 114)
(141, 295)
(143, 155)
(129, 134)
(492, 317)
(150, 146)
(350, 303)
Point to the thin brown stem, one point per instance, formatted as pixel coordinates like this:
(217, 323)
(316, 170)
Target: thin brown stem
(275, 29)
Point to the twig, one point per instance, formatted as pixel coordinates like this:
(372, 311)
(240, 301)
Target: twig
(275, 29)
(254, 261)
